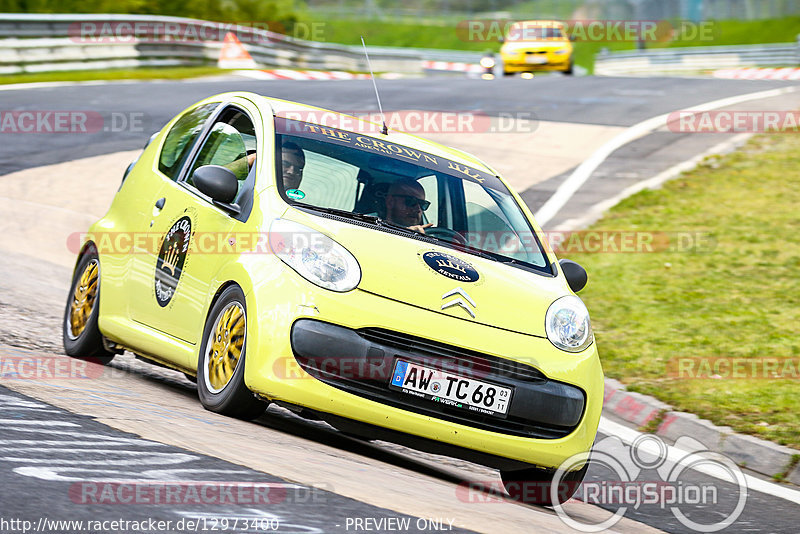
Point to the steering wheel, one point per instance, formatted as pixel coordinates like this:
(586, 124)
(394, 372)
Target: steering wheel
(443, 232)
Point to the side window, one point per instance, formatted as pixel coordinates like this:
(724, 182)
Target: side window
(224, 146)
(180, 139)
(231, 143)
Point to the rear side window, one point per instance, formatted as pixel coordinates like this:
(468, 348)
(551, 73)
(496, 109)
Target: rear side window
(180, 139)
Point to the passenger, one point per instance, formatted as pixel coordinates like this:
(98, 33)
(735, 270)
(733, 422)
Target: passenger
(292, 162)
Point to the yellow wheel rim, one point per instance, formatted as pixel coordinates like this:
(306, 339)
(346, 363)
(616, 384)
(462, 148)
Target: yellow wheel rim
(83, 299)
(224, 347)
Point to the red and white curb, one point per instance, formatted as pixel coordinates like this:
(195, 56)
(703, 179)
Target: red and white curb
(453, 66)
(287, 74)
(786, 73)
(758, 455)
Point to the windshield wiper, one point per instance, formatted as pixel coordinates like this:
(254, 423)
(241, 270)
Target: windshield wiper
(374, 219)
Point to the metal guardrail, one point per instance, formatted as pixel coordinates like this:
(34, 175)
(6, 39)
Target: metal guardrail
(695, 60)
(40, 43)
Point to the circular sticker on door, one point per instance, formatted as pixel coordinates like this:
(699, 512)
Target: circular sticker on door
(171, 258)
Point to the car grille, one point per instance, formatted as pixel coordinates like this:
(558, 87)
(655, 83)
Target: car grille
(540, 407)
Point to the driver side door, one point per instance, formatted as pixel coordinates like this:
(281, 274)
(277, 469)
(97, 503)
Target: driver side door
(194, 235)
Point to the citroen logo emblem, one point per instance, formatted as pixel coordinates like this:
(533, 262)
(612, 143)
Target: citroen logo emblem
(463, 300)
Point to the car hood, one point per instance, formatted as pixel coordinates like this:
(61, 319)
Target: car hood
(443, 280)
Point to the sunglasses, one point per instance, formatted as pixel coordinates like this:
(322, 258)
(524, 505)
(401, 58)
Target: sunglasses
(412, 201)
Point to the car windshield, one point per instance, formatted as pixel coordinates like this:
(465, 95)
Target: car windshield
(523, 32)
(404, 190)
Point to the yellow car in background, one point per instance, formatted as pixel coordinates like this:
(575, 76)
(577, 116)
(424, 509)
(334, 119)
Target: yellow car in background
(536, 45)
(388, 285)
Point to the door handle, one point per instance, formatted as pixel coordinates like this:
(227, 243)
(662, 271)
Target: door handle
(160, 202)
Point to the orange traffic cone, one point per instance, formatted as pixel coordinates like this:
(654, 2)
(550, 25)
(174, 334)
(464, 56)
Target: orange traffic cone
(234, 55)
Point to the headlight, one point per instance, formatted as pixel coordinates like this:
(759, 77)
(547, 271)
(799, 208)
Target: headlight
(487, 62)
(314, 256)
(561, 51)
(567, 324)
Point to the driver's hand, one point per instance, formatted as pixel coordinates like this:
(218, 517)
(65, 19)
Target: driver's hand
(420, 227)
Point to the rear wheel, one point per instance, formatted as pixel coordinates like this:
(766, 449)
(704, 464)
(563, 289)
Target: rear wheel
(532, 486)
(81, 336)
(220, 364)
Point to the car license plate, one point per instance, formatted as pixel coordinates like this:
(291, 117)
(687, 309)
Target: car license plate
(536, 60)
(450, 389)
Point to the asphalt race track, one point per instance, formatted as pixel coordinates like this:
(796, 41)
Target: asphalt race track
(65, 441)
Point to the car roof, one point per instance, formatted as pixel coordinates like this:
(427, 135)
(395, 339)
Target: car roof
(281, 107)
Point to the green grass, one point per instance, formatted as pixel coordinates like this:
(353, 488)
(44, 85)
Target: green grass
(444, 34)
(738, 295)
(121, 74)
(393, 33)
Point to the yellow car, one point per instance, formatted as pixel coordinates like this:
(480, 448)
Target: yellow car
(536, 45)
(391, 286)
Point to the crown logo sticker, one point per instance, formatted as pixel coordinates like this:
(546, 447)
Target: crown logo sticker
(450, 266)
(170, 261)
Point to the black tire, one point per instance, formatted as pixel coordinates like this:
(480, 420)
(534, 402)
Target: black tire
(81, 336)
(570, 69)
(532, 486)
(506, 73)
(231, 398)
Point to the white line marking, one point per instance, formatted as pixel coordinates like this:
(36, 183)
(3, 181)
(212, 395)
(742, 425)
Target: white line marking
(18, 422)
(579, 176)
(674, 454)
(596, 211)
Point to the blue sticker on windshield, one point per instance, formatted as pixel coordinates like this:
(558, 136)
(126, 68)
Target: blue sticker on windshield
(295, 194)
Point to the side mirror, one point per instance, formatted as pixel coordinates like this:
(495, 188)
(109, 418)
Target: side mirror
(575, 274)
(573, 38)
(219, 183)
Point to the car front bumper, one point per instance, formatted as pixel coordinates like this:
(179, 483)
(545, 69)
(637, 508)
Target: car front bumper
(331, 352)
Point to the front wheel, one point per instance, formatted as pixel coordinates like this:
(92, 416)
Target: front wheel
(220, 364)
(532, 486)
(81, 336)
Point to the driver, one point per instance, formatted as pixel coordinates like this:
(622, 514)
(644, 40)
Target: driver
(405, 202)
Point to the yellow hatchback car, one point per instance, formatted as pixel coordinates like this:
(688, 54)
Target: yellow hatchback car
(393, 287)
(536, 45)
